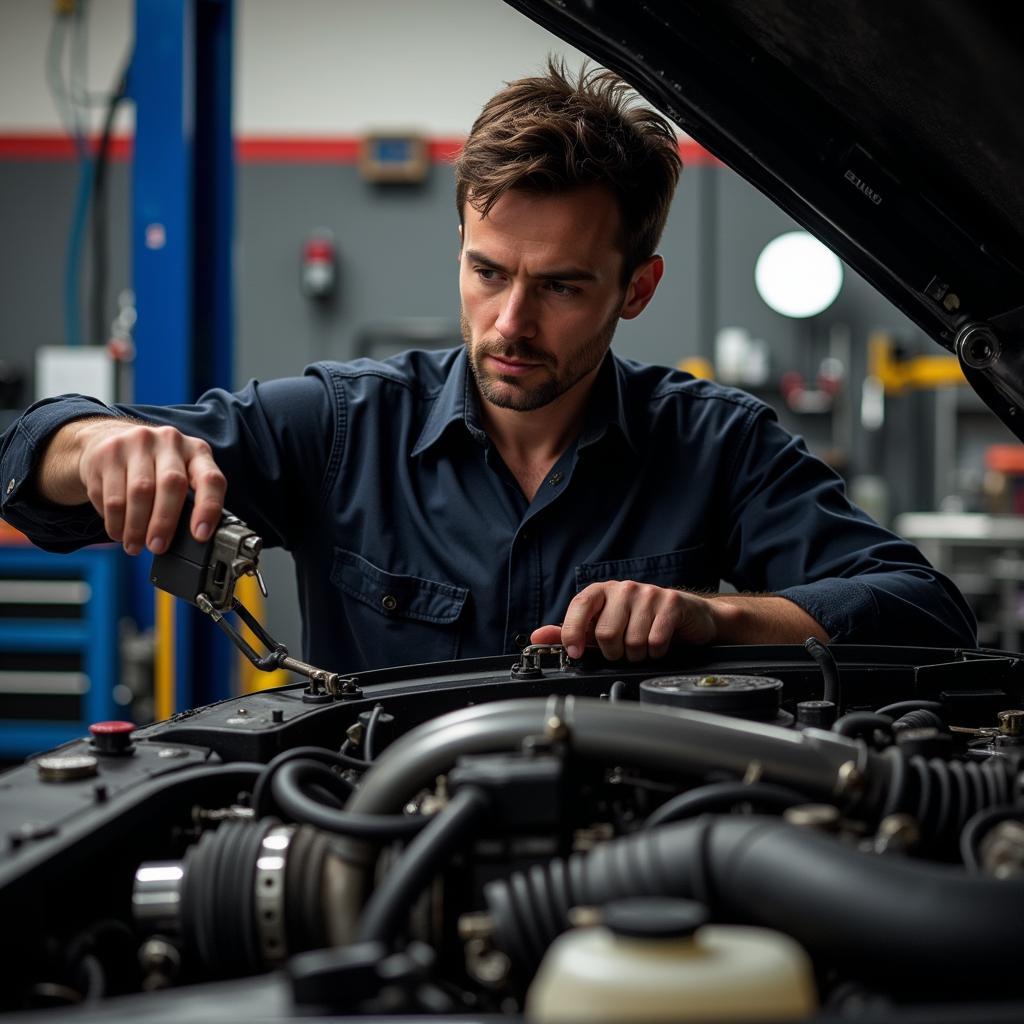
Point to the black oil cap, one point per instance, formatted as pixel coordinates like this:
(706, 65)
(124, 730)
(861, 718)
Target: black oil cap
(654, 918)
(753, 697)
(817, 713)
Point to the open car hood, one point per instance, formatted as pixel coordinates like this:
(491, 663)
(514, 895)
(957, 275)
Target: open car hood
(891, 131)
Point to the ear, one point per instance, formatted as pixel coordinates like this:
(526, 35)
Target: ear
(641, 287)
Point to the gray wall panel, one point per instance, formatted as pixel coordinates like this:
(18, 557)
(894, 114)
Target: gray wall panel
(36, 204)
(397, 253)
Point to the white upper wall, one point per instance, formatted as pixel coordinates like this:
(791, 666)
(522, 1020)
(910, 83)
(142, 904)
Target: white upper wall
(343, 66)
(305, 67)
(26, 105)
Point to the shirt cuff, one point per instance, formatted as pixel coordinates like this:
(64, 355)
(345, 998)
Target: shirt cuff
(845, 609)
(50, 526)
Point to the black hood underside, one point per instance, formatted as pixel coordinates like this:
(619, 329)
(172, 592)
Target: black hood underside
(894, 132)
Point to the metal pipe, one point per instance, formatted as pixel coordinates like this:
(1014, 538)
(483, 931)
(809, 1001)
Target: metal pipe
(812, 761)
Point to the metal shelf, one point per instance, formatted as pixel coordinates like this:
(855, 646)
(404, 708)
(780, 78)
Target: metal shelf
(58, 645)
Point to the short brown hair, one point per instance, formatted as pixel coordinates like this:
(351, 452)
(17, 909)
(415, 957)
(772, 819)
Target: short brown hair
(555, 132)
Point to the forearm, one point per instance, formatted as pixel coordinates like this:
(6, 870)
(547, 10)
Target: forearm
(762, 619)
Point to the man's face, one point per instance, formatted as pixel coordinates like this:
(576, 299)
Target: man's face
(540, 280)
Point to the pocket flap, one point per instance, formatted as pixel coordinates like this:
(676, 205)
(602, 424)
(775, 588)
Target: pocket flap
(394, 595)
(691, 568)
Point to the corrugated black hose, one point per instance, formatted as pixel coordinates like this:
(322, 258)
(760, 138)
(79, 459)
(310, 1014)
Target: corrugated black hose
(831, 897)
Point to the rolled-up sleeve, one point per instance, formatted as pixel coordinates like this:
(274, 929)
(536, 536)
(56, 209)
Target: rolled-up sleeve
(275, 443)
(794, 533)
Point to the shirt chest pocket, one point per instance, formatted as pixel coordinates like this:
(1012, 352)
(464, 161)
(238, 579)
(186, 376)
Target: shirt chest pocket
(690, 568)
(398, 619)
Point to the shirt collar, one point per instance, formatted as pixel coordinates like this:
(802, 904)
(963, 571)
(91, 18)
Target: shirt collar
(608, 406)
(458, 401)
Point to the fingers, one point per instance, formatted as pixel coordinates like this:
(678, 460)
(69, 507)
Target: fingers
(170, 488)
(210, 486)
(137, 477)
(140, 489)
(546, 635)
(631, 620)
(583, 609)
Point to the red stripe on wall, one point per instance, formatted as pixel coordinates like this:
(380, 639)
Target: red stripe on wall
(277, 149)
(57, 147)
(265, 149)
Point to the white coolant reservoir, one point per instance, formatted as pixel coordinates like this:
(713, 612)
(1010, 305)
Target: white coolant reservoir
(656, 960)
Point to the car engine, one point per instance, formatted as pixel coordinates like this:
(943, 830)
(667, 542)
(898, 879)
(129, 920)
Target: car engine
(739, 833)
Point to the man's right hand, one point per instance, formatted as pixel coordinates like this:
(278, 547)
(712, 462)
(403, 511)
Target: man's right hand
(136, 476)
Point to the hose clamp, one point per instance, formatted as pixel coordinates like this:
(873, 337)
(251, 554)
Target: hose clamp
(271, 863)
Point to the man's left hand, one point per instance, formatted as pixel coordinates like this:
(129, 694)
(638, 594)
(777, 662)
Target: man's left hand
(632, 620)
(639, 620)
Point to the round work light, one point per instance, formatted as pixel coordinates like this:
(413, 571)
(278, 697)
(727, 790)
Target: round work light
(797, 276)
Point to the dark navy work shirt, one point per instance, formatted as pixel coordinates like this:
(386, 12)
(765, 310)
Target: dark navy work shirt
(413, 542)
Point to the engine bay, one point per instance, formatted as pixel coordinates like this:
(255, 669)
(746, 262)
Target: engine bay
(426, 840)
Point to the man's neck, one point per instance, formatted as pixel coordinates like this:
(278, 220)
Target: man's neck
(539, 435)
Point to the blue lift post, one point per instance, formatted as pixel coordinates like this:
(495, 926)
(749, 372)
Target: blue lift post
(182, 230)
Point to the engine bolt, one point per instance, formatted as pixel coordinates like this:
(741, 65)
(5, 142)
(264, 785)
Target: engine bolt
(478, 925)
(161, 961)
(820, 816)
(849, 780)
(896, 832)
(1011, 723)
(1002, 850)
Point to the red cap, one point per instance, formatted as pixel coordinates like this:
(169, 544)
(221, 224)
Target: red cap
(112, 737)
(112, 728)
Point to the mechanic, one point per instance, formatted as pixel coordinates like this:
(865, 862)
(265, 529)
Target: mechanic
(526, 485)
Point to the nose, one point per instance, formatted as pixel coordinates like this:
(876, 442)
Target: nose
(515, 317)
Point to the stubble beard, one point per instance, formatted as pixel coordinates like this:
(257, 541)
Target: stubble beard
(507, 392)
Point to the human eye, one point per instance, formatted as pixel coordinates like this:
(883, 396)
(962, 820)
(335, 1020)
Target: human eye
(560, 288)
(488, 274)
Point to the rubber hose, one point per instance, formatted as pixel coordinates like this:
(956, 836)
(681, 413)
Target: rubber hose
(901, 707)
(832, 898)
(370, 736)
(857, 723)
(941, 795)
(829, 669)
(260, 792)
(919, 718)
(422, 859)
(286, 787)
(719, 796)
(217, 900)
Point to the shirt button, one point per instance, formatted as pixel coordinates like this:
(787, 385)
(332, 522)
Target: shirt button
(521, 639)
(390, 602)
(10, 485)
(555, 479)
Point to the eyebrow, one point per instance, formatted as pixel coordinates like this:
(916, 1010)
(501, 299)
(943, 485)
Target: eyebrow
(569, 274)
